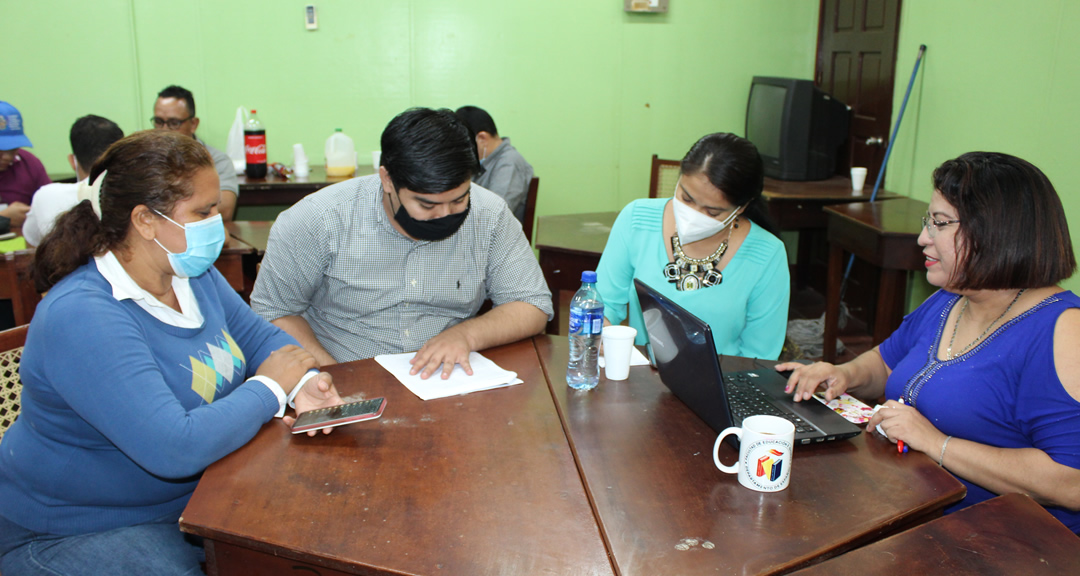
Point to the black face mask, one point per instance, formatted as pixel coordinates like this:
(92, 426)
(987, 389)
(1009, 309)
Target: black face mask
(430, 230)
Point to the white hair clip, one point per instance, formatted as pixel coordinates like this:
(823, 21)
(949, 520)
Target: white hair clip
(92, 192)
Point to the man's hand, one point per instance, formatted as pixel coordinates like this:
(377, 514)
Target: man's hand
(319, 392)
(16, 212)
(447, 349)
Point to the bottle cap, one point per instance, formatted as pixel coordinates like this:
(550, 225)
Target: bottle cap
(337, 129)
(588, 276)
(252, 110)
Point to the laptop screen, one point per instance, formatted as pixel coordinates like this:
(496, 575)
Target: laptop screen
(681, 346)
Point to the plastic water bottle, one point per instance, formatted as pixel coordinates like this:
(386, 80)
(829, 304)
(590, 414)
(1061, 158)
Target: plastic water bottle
(586, 324)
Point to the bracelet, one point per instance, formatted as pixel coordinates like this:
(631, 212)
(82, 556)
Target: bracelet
(941, 458)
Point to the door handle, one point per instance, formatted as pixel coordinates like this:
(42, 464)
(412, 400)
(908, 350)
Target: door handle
(875, 141)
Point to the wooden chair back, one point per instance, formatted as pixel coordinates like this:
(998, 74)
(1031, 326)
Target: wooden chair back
(11, 348)
(17, 266)
(662, 178)
(530, 209)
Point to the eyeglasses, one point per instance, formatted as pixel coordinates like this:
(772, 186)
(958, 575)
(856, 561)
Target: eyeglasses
(172, 123)
(937, 225)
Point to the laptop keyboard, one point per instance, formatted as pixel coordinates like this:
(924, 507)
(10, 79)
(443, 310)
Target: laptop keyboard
(746, 399)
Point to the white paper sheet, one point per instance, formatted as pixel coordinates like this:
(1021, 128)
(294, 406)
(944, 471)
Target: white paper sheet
(636, 358)
(486, 375)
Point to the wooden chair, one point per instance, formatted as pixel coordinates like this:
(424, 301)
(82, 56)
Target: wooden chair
(24, 296)
(662, 179)
(530, 209)
(11, 347)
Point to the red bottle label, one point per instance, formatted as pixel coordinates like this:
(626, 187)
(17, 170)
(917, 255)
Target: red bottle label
(255, 148)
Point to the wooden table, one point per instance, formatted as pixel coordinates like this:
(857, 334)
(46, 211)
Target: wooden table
(1007, 535)
(798, 206)
(231, 262)
(664, 508)
(568, 245)
(274, 190)
(472, 485)
(254, 233)
(885, 234)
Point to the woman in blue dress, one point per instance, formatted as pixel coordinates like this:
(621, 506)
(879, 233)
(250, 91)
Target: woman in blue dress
(984, 377)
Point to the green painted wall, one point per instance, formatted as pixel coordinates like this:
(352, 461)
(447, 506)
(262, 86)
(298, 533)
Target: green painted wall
(998, 75)
(587, 92)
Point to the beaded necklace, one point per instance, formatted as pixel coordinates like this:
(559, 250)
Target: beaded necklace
(692, 273)
(948, 351)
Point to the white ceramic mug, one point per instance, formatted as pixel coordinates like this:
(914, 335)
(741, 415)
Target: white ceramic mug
(766, 444)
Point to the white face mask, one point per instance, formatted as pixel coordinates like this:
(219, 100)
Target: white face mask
(693, 225)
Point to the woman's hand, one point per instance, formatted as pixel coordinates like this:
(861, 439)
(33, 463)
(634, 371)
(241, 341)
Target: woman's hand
(287, 365)
(902, 422)
(319, 392)
(807, 379)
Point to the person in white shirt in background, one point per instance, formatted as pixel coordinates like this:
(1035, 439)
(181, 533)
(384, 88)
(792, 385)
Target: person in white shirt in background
(90, 137)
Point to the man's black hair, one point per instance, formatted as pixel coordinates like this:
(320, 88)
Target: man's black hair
(90, 137)
(429, 151)
(179, 93)
(478, 120)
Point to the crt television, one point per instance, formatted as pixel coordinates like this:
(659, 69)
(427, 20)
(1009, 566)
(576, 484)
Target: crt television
(797, 128)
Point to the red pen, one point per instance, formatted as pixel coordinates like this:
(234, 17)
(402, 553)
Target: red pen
(901, 448)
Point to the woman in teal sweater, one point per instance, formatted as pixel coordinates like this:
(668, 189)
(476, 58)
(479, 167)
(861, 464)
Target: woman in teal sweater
(710, 248)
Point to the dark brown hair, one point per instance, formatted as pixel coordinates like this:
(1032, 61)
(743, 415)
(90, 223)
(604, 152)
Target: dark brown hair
(1012, 232)
(151, 168)
(732, 164)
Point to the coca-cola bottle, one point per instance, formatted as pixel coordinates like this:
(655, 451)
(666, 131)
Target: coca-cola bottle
(255, 147)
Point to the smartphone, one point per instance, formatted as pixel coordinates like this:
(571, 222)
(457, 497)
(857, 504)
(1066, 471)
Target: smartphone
(339, 415)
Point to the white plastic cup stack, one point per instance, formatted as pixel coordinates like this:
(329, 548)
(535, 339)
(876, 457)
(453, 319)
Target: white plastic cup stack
(376, 156)
(618, 344)
(300, 162)
(858, 178)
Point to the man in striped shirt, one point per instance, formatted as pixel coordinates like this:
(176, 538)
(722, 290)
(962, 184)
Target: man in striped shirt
(403, 260)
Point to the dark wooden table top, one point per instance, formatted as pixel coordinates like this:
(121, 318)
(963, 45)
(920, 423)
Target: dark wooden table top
(1004, 536)
(664, 508)
(477, 484)
(281, 191)
(576, 233)
(837, 188)
(255, 233)
(896, 217)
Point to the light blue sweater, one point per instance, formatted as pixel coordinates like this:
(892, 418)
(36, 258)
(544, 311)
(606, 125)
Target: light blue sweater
(121, 412)
(747, 311)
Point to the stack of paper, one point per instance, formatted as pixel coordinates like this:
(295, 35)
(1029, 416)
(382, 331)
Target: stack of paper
(486, 375)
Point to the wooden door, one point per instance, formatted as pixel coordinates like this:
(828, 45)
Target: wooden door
(856, 62)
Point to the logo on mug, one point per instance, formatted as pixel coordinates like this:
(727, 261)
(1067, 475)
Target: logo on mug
(766, 458)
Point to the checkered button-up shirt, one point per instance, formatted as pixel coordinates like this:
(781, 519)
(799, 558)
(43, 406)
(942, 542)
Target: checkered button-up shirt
(335, 259)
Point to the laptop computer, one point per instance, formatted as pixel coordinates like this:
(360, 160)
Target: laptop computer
(681, 347)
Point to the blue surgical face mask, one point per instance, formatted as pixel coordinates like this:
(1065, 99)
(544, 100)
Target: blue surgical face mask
(205, 239)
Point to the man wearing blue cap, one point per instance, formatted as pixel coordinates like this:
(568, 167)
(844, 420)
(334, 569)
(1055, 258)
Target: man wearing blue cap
(21, 173)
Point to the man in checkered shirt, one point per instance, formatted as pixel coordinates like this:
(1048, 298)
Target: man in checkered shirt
(403, 260)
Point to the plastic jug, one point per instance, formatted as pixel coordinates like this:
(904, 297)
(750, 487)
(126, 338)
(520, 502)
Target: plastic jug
(340, 155)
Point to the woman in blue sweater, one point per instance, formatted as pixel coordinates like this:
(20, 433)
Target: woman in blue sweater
(710, 248)
(141, 368)
(984, 377)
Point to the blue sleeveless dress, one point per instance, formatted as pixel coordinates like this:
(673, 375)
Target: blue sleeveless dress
(1004, 392)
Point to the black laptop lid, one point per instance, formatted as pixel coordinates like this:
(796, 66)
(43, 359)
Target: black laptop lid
(682, 347)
